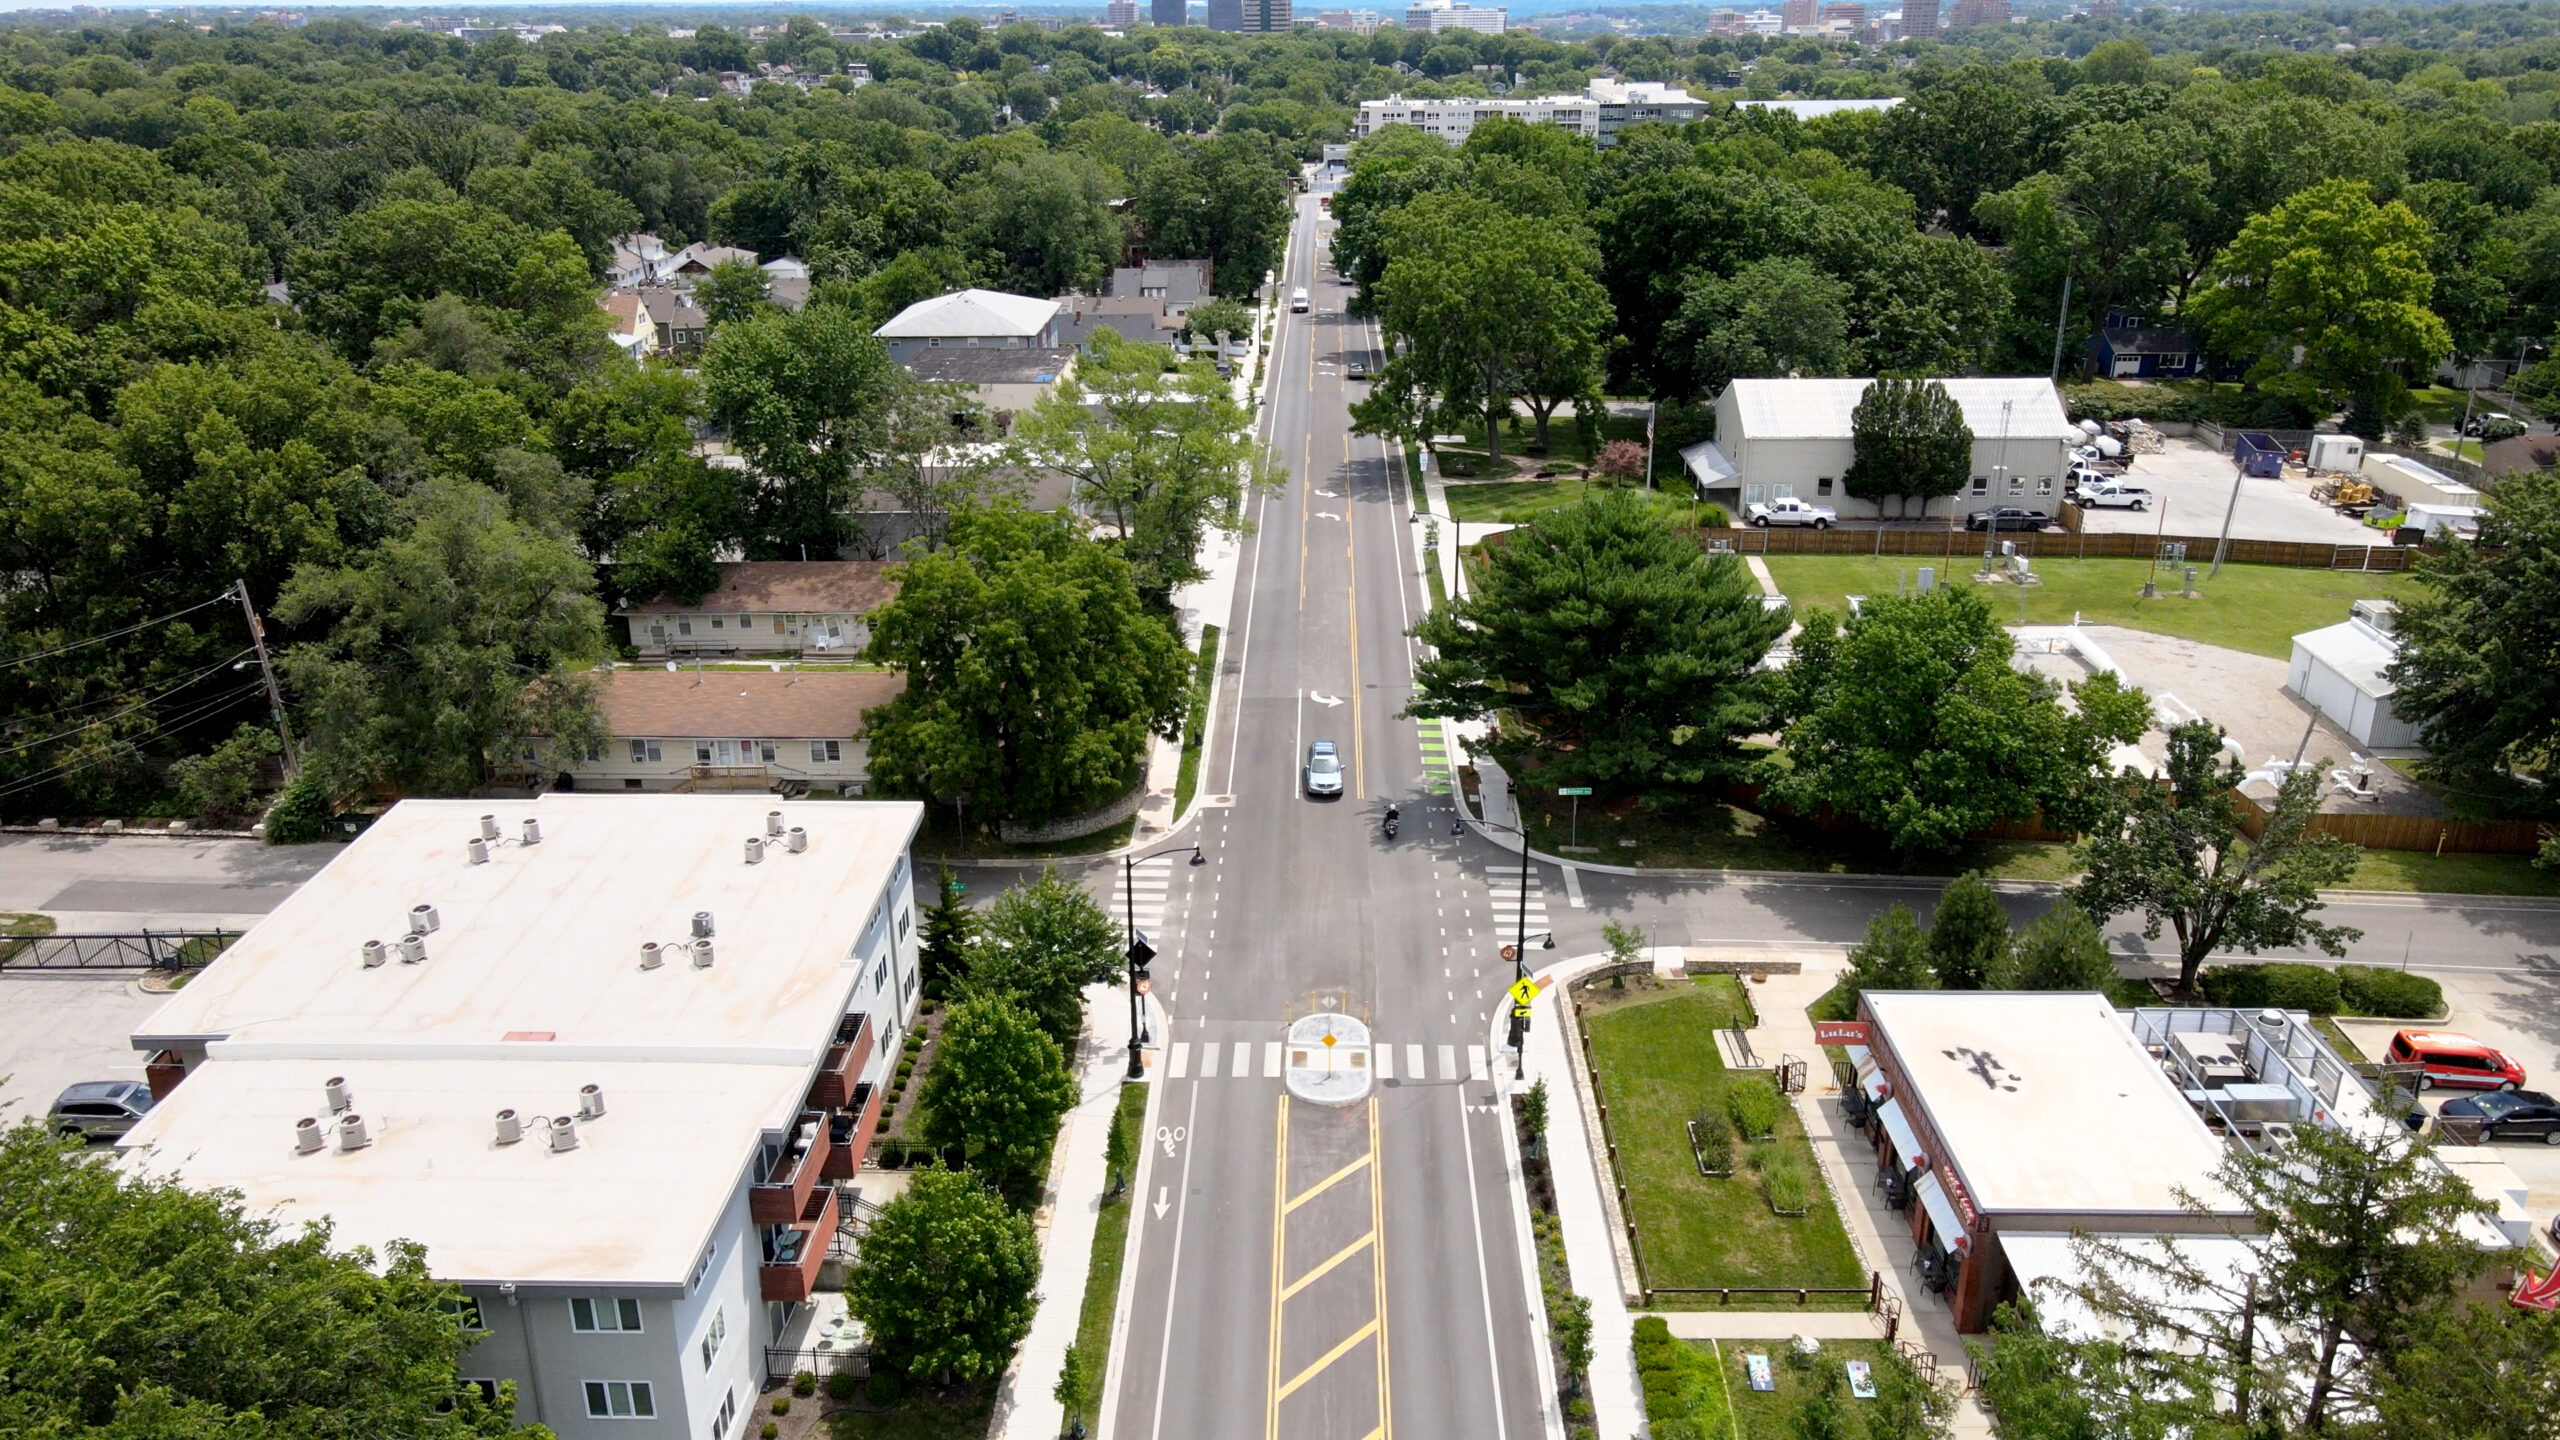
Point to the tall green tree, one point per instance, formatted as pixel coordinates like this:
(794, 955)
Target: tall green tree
(950, 926)
(805, 398)
(1911, 718)
(1621, 653)
(1039, 946)
(2337, 279)
(1224, 200)
(1776, 317)
(943, 1282)
(2061, 950)
(1908, 440)
(1045, 221)
(734, 290)
(2477, 633)
(1893, 955)
(138, 1307)
(996, 1091)
(1034, 674)
(1969, 936)
(451, 648)
(1489, 307)
(2181, 857)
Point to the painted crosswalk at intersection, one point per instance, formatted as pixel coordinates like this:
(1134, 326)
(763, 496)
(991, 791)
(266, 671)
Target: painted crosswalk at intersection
(1236, 1060)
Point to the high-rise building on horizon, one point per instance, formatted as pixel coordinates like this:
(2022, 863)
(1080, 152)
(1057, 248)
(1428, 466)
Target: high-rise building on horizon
(1120, 14)
(1796, 13)
(1227, 15)
(1919, 19)
(1169, 12)
(1968, 13)
(1265, 17)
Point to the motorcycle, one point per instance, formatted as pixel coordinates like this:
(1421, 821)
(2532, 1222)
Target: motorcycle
(1390, 823)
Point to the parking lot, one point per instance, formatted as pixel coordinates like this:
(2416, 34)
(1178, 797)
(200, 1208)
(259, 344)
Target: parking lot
(2193, 482)
(58, 1029)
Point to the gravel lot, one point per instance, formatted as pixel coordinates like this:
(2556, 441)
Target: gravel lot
(2195, 483)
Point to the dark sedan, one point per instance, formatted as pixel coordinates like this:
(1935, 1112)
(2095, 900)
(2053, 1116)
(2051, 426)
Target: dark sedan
(2008, 517)
(2508, 1115)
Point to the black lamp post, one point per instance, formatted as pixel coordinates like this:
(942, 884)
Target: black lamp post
(1140, 953)
(1520, 946)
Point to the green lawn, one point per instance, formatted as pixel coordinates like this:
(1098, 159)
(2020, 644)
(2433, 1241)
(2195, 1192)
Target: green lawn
(1516, 502)
(2255, 608)
(1102, 1280)
(2455, 874)
(1658, 1070)
(1204, 669)
(1710, 836)
(959, 1416)
(1772, 1414)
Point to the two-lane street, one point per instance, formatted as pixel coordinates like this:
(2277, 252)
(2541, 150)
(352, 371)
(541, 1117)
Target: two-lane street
(1321, 1270)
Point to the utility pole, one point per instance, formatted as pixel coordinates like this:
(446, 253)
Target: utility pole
(2238, 472)
(267, 672)
(2060, 323)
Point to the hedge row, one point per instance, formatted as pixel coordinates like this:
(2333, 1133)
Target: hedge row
(2349, 989)
(1683, 1393)
(2115, 400)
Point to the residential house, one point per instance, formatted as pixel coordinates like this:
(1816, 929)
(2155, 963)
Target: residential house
(609, 1059)
(972, 319)
(1180, 284)
(1777, 438)
(695, 261)
(632, 331)
(786, 267)
(810, 609)
(637, 260)
(1145, 320)
(1006, 382)
(2126, 349)
(788, 730)
(677, 320)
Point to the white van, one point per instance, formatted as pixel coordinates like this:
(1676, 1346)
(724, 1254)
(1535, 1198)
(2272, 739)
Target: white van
(1298, 301)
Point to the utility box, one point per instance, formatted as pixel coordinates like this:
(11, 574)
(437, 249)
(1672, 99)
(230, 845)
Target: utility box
(2259, 455)
(2338, 454)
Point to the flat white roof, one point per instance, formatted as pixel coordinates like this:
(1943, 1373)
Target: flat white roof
(541, 945)
(1822, 409)
(633, 1204)
(971, 314)
(1816, 109)
(2045, 1102)
(2355, 653)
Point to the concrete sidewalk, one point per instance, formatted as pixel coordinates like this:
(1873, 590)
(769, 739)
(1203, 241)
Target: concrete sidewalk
(1617, 1399)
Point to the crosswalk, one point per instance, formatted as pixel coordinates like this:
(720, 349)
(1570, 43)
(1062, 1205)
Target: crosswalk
(1143, 890)
(1503, 887)
(1260, 1060)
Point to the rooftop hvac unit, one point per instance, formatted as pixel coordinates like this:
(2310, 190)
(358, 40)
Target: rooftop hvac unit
(2213, 1059)
(488, 827)
(773, 822)
(423, 920)
(590, 1101)
(352, 1136)
(701, 954)
(797, 839)
(339, 1096)
(532, 831)
(479, 850)
(755, 849)
(307, 1137)
(652, 955)
(702, 925)
(564, 1133)
(413, 949)
(510, 1129)
(375, 952)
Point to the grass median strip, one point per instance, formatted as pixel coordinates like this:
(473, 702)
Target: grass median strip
(1195, 728)
(1090, 1358)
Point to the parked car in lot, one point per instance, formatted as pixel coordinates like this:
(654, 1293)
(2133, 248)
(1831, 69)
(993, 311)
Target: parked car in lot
(1788, 510)
(99, 1109)
(2445, 1058)
(1324, 768)
(2007, 517)
(2508, 1115)
(2111, 494)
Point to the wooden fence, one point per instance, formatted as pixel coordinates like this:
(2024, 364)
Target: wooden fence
(1958, 548)
(2414, 832)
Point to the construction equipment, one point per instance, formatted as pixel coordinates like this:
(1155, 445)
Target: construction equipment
(2348, 497)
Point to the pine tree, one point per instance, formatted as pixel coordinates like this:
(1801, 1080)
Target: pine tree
(949, 926)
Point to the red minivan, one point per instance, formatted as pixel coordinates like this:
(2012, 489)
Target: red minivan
(2449, 1059)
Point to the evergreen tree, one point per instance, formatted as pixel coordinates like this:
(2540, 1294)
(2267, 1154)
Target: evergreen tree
(1908, 440)
(1969, 937)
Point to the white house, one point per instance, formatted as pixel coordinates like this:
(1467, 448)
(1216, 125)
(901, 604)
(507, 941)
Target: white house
(972, 317)
(1794, 437)
(2343, 671)
(1600, 111)
(607, 1062)
(684, 729)
(802, 608)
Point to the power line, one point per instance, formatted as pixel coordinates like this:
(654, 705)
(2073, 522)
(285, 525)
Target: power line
(227, 660)
(30, 782)
(111, 635)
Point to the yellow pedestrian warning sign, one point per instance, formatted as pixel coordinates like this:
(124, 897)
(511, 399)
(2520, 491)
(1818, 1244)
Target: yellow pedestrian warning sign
(1525, 992)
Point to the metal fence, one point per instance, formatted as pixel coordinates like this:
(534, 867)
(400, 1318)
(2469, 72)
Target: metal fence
(141, 950)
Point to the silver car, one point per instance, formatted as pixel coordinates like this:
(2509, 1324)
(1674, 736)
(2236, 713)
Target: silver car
(1324, 769)
(99, 1109)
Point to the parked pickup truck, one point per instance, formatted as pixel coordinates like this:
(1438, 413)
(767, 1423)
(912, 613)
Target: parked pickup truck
(2111, 494)
(1788, 510)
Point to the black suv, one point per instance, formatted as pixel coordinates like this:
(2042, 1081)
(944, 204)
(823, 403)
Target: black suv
(2008, 517)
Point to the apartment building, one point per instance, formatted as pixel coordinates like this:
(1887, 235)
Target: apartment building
(1438, 15)
(1603, 109)
(603, 1057)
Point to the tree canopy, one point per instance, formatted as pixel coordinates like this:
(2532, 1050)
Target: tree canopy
(943, 1281)
(995, 1093)
(1038, 946)
(1909, 442)
(2477, 635)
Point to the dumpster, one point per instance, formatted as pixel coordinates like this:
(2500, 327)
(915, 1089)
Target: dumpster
(2259, 455)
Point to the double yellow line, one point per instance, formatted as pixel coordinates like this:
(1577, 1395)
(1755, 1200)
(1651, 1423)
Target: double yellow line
(1282, 1203)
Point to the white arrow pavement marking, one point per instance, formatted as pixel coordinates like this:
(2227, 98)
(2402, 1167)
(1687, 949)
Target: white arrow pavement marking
(1162, 1204)
(1322, 698)
(1327, 515)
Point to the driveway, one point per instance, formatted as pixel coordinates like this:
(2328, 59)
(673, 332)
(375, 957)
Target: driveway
(101, 884)
(57, 1029)
(2194, 482)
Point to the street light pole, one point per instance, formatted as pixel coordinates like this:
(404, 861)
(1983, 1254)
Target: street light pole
(1140, 952)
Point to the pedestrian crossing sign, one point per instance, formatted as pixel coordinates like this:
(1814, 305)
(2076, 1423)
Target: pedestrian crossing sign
(1525, 992)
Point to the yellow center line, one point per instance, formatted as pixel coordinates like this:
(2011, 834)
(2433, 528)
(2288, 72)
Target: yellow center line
(1318, 1273)
(1279, 1239)
(1328, 1182)
(1378, 1273)
(1336, 1353)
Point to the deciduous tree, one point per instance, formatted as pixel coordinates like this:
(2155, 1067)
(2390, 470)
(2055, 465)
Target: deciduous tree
(1619, 651)
(2180, 857)
(1039, 946)
(1908, 440)
(995, 1092)
(805, 399)
(734, 290)
(943, 1283)
(2477, 634)
(2061, 950)
(1969, 936)
(1893, 956)
(1775, 317)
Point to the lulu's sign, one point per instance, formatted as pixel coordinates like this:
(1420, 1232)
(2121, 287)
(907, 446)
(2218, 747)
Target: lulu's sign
(1839, 1032)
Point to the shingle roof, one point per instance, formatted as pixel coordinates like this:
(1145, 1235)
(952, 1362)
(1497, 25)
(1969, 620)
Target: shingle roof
(1821, 409)
(970, 314)
(755, 704)
(789, 587)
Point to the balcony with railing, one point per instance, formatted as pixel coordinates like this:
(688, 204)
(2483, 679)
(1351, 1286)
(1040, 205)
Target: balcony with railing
(851, 1129)
(782, 1195)
(792, 1258)
(850, 1051)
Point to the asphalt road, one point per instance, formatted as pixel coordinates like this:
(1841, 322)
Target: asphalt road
(93, 884)
(1335, 1271)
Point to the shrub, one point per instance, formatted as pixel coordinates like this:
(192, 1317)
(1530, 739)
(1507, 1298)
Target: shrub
(906, 1068)
(2280, 984)
(301, 813)
(1715, 1144)
(842, 1386)
(770, 1431)
(1683, 1394)
(1713, 516)
(805, 1383)
(2389, 994)
(781, 1404)
(885, 1387)
(1755, 1106)
(220, 786)
(1785, 1180)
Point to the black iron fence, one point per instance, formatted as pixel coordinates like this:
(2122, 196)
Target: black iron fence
(141, 950)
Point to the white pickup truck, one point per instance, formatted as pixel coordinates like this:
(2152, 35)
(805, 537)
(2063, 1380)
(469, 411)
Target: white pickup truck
(1788, 510)
(2112, 494)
